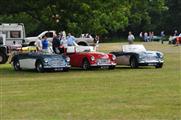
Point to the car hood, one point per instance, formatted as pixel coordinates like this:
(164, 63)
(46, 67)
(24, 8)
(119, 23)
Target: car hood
(41, 55)
(52, 56)
(97, 54)
(150, 53)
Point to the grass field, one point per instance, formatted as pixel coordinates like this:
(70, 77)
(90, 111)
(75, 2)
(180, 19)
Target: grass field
(121, 94)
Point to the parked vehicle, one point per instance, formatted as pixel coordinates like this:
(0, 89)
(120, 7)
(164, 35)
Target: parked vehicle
(32, 40)
(86, 58)
(11, 37)
(156, 38)
(50, 34)
(40, 62)
(137, 55)
(14, 32)
(175, 39)
(3, 49)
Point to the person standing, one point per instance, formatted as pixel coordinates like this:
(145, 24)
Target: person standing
(63, 43)
(70, 40)
(45, 44)
(56, 44)
(141, 35)
(162, 36)
(175, 33)
(38, 44)
(130, 38)
(146, 37)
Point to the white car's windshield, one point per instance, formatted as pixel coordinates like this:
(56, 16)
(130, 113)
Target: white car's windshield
(133, 48)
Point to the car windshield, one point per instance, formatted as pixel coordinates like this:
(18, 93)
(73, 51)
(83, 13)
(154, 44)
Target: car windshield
(133, 48)
(78, 49)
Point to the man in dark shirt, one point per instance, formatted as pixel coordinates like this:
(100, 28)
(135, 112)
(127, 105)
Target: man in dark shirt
(56, 44)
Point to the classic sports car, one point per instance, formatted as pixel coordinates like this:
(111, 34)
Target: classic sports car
(136, 55)
(86, 57)
(40, 61)
(175, 39)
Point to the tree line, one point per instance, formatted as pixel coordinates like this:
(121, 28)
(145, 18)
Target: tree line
(103, 17)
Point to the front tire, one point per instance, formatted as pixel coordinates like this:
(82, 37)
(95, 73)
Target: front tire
(85, 64)
(159, 65)
(133, 62)
(3, 58)
(16, 65)
(66, 69)
(39, 66)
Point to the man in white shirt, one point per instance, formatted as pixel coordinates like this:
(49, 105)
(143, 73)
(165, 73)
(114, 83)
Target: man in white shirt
(130, 38)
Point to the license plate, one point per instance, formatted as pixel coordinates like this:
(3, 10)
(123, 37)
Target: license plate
(58, 69)
(152, 64)
(104, 67)
(56, 63)
(102, 61)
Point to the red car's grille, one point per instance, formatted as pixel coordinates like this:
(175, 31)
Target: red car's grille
(103, 61)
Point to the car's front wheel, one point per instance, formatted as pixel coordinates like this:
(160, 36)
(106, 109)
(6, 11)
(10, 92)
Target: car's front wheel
(159, 65)
(65, 69)
(39, 66)
(133, 62)
(85, 64)
(16, 65)
(3, 58)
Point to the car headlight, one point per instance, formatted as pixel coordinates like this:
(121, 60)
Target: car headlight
(160, 55)
(46, 60)
(92, 58)
(113, 57)
(142, 56)
(67, 59)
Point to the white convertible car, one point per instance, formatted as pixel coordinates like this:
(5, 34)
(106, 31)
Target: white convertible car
(137, 55)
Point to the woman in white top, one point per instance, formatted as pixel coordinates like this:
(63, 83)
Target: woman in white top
(38, 44)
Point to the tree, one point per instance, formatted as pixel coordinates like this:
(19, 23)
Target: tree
(93, 16)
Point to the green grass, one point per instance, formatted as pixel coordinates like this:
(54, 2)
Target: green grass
(121, 94)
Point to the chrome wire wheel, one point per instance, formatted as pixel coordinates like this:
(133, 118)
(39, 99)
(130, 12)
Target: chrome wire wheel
(85, 64)
(39, 66)
(133, 62)
(16, 65)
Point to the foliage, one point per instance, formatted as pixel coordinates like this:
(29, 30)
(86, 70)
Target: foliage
(93, 16)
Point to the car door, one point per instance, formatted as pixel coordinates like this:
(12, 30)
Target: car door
(27, 61)
(123, 59)
(76, 59)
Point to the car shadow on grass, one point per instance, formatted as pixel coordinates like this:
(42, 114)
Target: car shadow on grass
(10, 70)
(128, 67)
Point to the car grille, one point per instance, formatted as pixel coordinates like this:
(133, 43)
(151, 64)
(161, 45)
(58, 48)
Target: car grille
(150, 58)
(103, 61)
(56, 63)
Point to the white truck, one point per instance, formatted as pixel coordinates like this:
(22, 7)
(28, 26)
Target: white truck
(50, 34)
(12, 35)
(15, 33)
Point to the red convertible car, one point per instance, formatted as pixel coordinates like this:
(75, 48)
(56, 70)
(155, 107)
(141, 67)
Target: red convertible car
(86, 58)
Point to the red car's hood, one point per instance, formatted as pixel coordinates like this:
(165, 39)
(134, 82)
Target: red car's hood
(97, 54)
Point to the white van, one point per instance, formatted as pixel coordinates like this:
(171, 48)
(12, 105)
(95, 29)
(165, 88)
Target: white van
(15, 32)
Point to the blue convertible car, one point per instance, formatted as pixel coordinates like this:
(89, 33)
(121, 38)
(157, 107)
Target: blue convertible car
(40, 62)
(137, 55)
